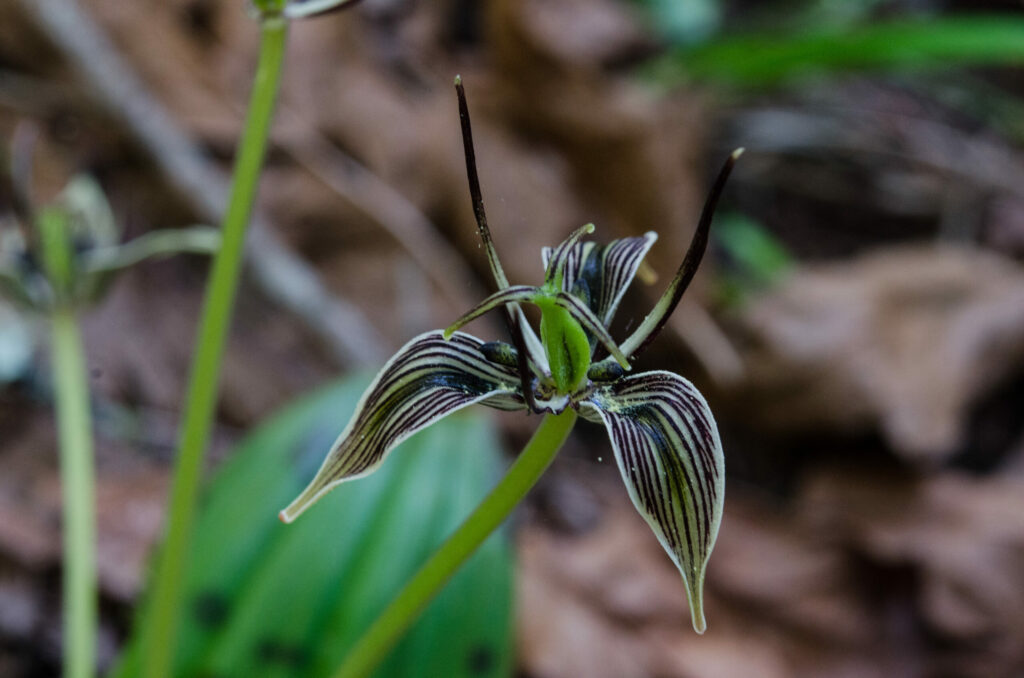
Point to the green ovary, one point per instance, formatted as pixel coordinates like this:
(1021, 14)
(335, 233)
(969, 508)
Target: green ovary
(566, 345)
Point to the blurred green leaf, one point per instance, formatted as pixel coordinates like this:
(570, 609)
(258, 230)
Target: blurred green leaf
(766, 60)
(836, 13)
(273, 600)
(755, 259)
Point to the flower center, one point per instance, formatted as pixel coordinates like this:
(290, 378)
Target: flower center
(566, 345)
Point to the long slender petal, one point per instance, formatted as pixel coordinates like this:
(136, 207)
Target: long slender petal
(670, 456)
(657, 318)
(429, 378)
(565, 256)
(586, 318)
(497, 300)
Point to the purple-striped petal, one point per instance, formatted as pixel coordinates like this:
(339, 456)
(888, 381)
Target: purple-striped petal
(668, 450)
(574, 262)
(606, 269)
(428, 379)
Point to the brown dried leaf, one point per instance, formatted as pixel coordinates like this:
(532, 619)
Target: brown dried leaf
(960, 537)
(780, 601)
(905, 340)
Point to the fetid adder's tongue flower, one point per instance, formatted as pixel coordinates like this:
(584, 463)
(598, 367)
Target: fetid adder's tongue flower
(663, 434)
(69, 250)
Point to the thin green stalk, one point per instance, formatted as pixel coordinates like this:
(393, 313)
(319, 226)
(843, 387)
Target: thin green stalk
(163, 617)
(77, 482)
(382, 635)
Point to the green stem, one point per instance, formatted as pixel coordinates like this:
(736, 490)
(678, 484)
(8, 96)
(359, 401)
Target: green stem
(77, 482)
(378, 640)
(163, 617)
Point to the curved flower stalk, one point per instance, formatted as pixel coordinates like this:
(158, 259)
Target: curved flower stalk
(664, 436)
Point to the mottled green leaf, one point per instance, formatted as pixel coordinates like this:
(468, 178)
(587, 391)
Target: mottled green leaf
(287, 601)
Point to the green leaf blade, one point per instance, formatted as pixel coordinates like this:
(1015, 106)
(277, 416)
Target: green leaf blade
(287, 601)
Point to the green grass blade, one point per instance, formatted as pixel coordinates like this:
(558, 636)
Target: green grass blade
(766, 60)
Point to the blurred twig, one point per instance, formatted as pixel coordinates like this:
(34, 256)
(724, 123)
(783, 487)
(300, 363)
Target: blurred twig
(710, 344)
(284, 277)
(861, 133)
(395, 213)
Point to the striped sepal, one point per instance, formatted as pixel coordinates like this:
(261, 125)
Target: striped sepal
(667, 448)
(574, 261)
(606, 270)
(429, 378)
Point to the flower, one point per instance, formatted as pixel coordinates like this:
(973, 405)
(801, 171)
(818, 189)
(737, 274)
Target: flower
(663, 434)
(68, 251)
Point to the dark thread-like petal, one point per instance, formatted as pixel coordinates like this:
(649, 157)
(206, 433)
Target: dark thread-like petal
(657, 318)
(475, 194)
(523, 337)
